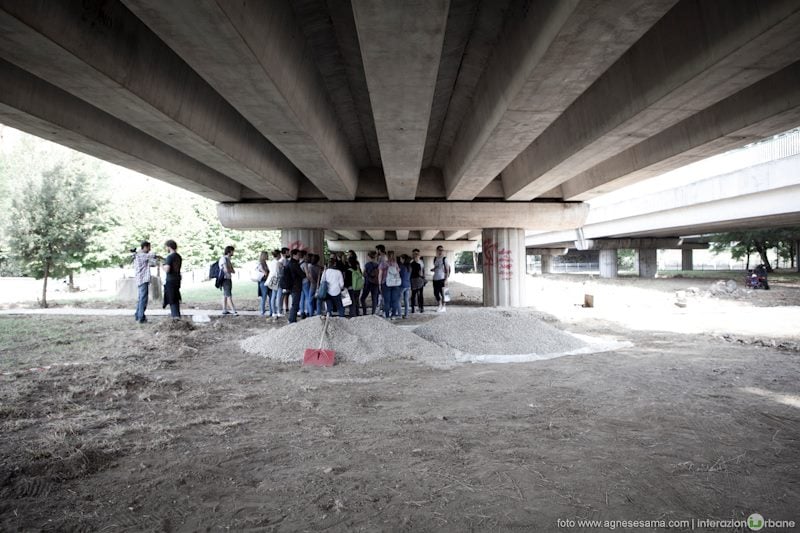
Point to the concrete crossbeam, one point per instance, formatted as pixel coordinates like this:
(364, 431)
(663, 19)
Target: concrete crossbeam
(766, 108)
(376, 235)
(454, 235)
(523, 89)
(402, 215)
(425, 247)
(644, 243)
(353, 235)
(37, 107)
(132, 75)
(427, 235)
(402, 235)
(401, 45)
(722, 48)
(254, 54)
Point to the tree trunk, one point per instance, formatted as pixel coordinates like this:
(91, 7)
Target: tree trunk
(44, 283)
(763, 253)
(71, 282)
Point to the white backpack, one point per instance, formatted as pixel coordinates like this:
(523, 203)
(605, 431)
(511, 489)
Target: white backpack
(393, 276)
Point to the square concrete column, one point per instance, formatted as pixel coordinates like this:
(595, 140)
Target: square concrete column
(687, 259)
(310, 240)
(547, 264)
(503, 267)
(608, 263)
(647, 262)
(797, 254)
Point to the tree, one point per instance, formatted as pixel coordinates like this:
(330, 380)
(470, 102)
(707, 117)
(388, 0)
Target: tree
(57, 226)
(742, 243)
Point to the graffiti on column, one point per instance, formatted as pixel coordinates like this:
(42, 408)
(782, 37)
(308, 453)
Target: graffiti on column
(489, 251)
(296, 245)
(505, 264)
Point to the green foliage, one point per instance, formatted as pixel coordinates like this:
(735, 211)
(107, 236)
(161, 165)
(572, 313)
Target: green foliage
(157, 212)
(741, 244)
(625, 258)
(56, 222)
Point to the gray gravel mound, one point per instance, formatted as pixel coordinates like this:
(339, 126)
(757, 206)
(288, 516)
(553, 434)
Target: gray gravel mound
(497, 332)
(358, 340)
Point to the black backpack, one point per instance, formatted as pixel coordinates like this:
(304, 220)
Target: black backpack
(216, 274)
(286, 277)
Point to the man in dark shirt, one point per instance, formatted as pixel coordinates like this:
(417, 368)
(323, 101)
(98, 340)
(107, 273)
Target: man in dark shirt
(172, 282)
(297, 284)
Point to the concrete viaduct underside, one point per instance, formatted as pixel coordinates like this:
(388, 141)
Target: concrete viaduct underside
(402, 120)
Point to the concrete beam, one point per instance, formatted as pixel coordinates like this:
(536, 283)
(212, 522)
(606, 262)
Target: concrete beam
(454, 235)
(546, 251)
(427, 235)
(766, 108)
(661, 80)
(543, 63)
(401, 45)
(402, 235)
(643, 243)
(331, 235)
(402, 215)
(425, 247)
(37, 107)
(376, 235)
(474, 234)
(103, 54)
(352, 235)
(255, 56)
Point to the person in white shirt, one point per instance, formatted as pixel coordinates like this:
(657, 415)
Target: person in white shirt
(142, 261)
(274, 284)
(335, 281)
(441, 271)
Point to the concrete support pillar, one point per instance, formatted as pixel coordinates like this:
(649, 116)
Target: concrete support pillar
(647, 261)
(362, 257)
(797, 255)
(310, 240)
(503, 267)
(547, 264)
(427, 260)
(608, 263)
(687, 259)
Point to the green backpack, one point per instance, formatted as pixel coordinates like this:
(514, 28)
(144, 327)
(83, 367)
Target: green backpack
(358, 279)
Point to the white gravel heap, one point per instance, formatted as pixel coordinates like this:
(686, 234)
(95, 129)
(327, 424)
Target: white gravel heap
(360, 340)
(497, 332)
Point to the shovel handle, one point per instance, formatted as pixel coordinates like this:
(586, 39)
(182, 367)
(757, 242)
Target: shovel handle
(324, 329)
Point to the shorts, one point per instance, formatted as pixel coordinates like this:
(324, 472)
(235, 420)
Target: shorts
(227, 287)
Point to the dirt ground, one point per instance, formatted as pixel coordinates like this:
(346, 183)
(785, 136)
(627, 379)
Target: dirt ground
(174, 428)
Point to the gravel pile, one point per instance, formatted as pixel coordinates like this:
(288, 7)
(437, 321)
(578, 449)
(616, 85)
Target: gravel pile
(497, 332)
(358, 340)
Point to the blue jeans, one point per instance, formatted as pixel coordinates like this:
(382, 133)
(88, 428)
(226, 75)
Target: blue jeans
(305, 300)
(391, 301)
(275, 301)
(262, 286)
(369, 290)
(141, 306)
(335, 301)
(296, 295)
(405, 294)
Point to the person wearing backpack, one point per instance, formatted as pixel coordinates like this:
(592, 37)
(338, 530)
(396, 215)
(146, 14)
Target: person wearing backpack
(274, 284)
(354, 281)
(334, 280)
(391, 285)
(441, 271)
(371, 283)
(226, 267)
(417, 280)
(295, 275)
(313, 270)
(405, 285)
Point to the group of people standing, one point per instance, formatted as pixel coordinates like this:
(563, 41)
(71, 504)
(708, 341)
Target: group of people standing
(293, 283)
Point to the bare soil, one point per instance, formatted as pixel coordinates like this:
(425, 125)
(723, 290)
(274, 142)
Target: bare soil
(171, 427)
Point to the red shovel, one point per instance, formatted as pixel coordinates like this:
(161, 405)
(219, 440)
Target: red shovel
(319, 357)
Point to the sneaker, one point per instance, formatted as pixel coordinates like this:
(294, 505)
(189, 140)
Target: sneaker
(226, 312)
(405, 316)
(443, 310)
(235, 313)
